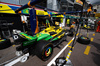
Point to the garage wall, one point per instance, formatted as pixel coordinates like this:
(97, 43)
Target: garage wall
(14, 19)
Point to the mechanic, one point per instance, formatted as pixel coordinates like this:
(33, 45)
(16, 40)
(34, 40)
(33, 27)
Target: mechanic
(98, 27)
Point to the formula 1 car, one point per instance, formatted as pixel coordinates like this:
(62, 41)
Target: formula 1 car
(42, 43)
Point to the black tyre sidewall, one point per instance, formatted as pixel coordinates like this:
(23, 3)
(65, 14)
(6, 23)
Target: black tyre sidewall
(40, 49)
(43, 53)
(71, 32)
(5, 44)
(83, 41)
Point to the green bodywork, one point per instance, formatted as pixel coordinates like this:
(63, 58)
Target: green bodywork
(42, 35)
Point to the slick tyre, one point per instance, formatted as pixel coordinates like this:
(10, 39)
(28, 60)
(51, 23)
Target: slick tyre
(5, 43)
(44, 50)
(65, 38)
(83, 40)
(71, 32)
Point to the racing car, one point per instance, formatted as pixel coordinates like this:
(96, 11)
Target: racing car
(42, 43)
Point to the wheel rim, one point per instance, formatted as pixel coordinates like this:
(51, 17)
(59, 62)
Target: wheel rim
(84, 37)
(48, 51)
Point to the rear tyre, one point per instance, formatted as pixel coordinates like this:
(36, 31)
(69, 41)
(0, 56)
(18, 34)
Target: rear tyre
(71, 32)
(83, 40)
(44, 50)
(65, 38)
(5, 43)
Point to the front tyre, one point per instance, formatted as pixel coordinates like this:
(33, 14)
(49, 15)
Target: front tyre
(44, 50)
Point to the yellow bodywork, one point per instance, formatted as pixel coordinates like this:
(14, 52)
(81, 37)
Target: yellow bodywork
(6, 9)
(52, 29)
